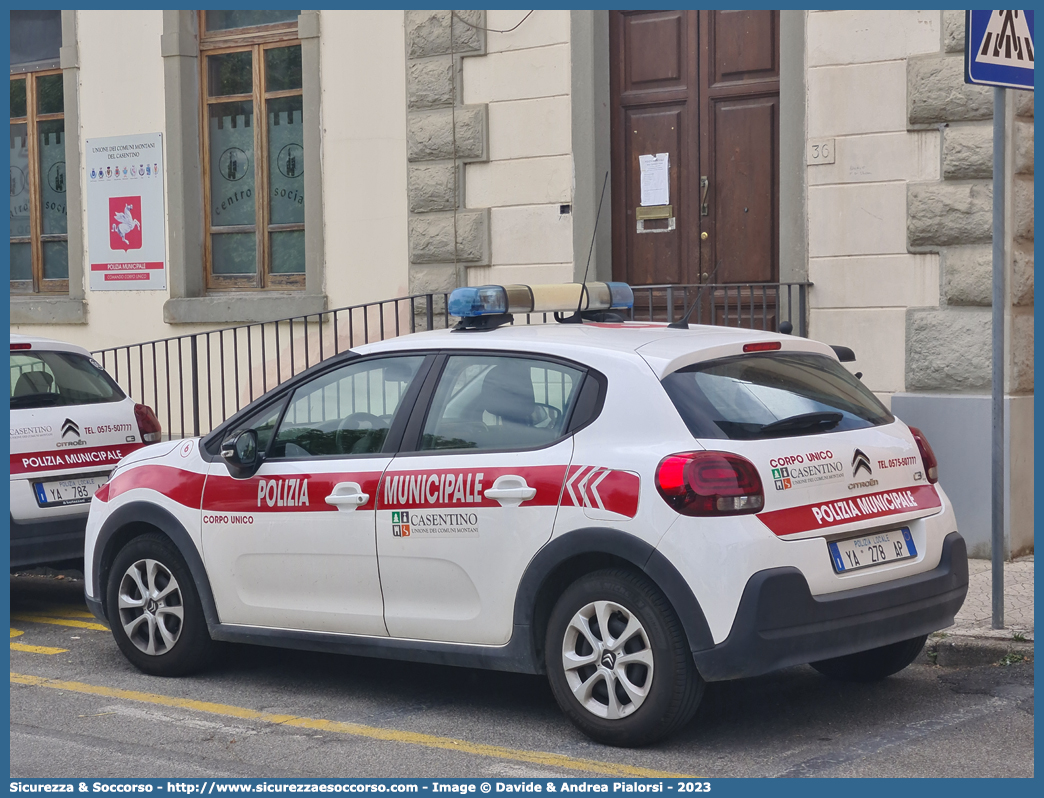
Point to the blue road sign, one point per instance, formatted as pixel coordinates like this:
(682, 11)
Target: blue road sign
(998, 48)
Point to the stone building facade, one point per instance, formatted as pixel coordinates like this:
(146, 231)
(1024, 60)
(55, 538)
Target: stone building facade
(900, 242)
(475, 152)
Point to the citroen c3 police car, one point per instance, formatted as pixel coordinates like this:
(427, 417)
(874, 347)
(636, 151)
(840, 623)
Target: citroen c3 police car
(633, 509)
(70, 425)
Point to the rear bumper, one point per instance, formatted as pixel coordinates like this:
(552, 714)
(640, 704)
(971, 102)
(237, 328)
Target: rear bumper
(41, 542)
(780, 623)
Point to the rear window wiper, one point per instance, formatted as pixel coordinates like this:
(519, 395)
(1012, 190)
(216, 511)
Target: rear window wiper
(805, 422)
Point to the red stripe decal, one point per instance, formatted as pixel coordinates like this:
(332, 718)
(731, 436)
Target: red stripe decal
(78, 457)
(602, 488)
(183, 487)
(283, 493)
(465, 487)
(845, 511)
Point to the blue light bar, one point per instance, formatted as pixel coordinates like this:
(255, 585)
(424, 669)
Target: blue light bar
(483, 300)
(621, 296)
(488, 300)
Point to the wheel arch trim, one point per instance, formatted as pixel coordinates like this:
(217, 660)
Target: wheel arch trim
(140, 512)
(625, 546)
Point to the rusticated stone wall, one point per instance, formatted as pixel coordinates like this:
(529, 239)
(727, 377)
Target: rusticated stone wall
(443, 134)
(948, 347)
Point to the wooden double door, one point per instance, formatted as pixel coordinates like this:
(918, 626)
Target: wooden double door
(702, 86)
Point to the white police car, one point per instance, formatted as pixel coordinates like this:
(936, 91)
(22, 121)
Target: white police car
(70, 425)
(634, 509)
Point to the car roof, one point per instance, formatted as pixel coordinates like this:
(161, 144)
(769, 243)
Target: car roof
(663, 348)
(48, 344)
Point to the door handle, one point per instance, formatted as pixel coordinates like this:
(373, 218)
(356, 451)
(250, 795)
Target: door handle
(705, 185)
(510, 491)
(347, 496)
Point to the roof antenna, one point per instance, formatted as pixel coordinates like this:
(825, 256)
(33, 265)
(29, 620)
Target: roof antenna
(576, 318)
(683, 322)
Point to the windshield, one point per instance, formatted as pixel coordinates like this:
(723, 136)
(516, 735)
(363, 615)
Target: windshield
(753, 397)
(58, 379)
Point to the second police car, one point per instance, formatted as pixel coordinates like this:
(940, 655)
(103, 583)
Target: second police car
(631, 508)
(70, 424)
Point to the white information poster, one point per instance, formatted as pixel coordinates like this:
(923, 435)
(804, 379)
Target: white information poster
(655, 178)
(126, 242)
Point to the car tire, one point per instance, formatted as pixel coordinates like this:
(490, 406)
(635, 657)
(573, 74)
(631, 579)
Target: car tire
(654, 692)
(154, 609)
(872, 665)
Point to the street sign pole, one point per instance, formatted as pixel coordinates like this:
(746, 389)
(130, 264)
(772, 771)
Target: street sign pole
(998, 51)
(997, 540)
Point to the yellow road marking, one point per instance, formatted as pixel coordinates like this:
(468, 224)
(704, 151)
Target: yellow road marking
(354, 729)
(58, 621)
(33, 649)
(66, 611)
(37, 649)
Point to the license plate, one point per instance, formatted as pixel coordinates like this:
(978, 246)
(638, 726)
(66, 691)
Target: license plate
(870, 550)
(61, 492)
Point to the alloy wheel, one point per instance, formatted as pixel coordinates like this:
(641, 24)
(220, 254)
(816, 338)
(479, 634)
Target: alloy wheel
(151, 607)
(607, 660)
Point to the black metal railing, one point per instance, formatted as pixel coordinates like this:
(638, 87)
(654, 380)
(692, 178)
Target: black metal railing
(757, 306)
(196, 381)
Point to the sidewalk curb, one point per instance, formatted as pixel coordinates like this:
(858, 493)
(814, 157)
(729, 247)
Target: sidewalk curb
(965, 651)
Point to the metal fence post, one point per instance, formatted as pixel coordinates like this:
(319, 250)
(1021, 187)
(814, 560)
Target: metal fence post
(803, 310)
(195, 387)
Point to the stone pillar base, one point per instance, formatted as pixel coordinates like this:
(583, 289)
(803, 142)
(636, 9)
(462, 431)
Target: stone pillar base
(958, 428)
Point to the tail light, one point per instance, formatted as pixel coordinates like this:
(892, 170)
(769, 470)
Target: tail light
(710, 483)
(148, 424)
(931, 465)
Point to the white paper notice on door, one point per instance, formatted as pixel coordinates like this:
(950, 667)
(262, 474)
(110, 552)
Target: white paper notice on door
(655, 170)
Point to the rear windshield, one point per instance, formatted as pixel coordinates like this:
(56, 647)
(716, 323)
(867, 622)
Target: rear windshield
(754, 397)
(58, 379)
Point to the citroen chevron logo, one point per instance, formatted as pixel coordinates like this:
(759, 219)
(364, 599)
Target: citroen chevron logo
(860, 460)
(69, 426)
(608, 659)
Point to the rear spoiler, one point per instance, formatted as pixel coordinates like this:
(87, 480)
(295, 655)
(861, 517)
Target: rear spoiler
(844, 354)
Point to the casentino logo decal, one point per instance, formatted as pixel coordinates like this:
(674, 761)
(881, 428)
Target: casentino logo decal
(31, 432)
(805, 469)
(445, 524)
(400, 524)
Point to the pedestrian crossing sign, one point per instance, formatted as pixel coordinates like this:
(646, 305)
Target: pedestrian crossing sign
(999, 48)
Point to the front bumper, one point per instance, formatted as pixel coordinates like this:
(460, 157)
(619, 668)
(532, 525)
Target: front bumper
(780, 623)
(96, 608)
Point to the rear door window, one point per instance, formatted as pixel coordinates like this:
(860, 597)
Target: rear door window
(493, 403)
(58, 379)
(755, 397)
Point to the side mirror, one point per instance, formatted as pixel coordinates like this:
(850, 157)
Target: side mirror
(240, 454)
